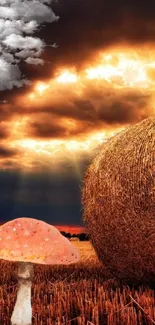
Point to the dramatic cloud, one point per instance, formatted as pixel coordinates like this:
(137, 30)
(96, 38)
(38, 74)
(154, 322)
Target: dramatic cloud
(84, 78)
(4, 132)
(6, 152)
(17, 19)
(86, 27)
(74, 117)
(98, 81)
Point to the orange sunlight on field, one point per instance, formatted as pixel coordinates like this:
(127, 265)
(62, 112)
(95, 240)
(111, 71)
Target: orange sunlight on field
(71, 229)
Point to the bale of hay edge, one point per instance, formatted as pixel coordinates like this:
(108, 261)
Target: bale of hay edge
(118, 200)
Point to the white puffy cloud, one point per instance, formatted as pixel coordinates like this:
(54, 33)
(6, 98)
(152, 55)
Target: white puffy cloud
(28, 53)
(17, 18)
(34, 61)
(10, 75)
(9, 27)
(16, 42)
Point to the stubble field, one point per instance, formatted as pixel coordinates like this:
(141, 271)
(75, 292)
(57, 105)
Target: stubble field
(78, 294)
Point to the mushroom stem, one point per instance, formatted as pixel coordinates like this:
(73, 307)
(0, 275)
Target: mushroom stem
(22, 313)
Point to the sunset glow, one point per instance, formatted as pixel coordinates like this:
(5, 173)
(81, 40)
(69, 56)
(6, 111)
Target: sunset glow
(75, 229)
(119, 69)
(73, 74)
(71, 229)
(117, 72)
(66, 77)
(41, 88)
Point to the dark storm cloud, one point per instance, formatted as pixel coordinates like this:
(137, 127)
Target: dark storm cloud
(84, 28)
(15, 182)
(49, 130)
(9, 95)
(55, 198)
(98, 107)
(6, 152)
(124, 109)
(53, 214)
(8, 110)
(88, 26)
(95, 112)
(48, 126)
(4, 132)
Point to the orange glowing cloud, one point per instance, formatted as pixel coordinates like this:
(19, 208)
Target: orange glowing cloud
(73, 112)
(67, 77)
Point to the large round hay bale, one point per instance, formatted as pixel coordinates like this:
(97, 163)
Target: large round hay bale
(118, 199)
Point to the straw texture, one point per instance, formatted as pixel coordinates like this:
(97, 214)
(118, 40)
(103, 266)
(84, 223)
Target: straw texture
(118, 199)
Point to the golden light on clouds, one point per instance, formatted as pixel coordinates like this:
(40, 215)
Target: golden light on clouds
(62, 117)
(122, 69)
(67, 77)
(41, 87)
(119, 69)
(51, 153)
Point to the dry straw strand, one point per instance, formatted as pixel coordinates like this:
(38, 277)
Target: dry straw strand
(147, 316)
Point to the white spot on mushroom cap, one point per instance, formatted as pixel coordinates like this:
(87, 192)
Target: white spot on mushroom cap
(15, 252)
(26, 233)
(46, 238)
(14, 229)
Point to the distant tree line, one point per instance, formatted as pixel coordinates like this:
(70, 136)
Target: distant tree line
(81, 237)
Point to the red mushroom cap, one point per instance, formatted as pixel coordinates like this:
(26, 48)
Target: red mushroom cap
(32, 240)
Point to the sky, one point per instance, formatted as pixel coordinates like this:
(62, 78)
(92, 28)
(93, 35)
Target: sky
(73, 73)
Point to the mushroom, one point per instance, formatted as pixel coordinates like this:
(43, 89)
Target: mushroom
(28, 241)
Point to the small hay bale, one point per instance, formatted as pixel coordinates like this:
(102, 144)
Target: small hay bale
(118, 199)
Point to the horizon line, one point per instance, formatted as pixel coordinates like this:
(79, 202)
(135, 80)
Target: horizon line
(74, 229)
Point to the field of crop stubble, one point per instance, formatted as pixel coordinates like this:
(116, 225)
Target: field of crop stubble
(78, 294)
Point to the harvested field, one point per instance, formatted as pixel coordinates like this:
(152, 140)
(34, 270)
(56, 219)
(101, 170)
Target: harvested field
(79, 294)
